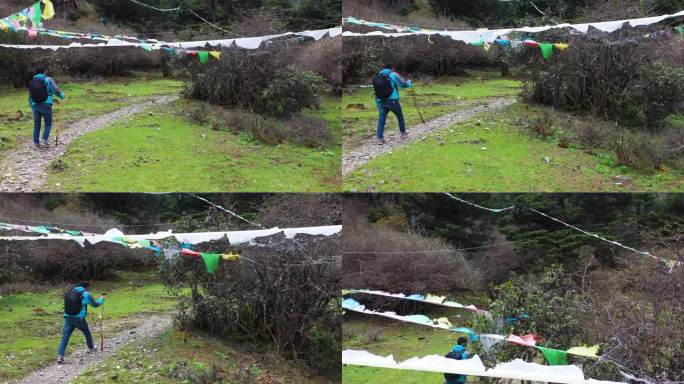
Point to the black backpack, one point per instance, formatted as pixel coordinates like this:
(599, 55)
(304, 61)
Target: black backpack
(73, 302)
(38, 90)
(456, 356)
(382, 85)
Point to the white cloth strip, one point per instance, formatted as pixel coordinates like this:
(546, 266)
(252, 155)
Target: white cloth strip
(234, 237)
(515, 370)
(245, 42)
(415, 319)
(429, 298)
(489, 35)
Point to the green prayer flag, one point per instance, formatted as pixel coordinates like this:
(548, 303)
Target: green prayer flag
(554, 356)
(37, 14)
(73, 233)
(42, 229)
(211, 261)
(203, 56)
(680, 29)
(546, 50)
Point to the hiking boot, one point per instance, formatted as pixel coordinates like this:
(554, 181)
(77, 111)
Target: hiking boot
(44, 143)
(92, 350)
(381, 142)
(60, 360)
(37, 145)
(404, 135)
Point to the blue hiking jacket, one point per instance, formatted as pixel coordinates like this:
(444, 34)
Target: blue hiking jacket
(52, 89)
(396, 81)
(87, 299)
(464, 355)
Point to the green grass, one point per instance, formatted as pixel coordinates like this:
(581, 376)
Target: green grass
(31, 323)
(494, 152)
(82, 100)
(446, 95)
(161, 150)
(384, 337)
(183, 357)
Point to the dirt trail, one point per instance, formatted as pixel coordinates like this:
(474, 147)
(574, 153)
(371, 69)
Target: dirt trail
(79, 361)
(370, 149)
(24, 169)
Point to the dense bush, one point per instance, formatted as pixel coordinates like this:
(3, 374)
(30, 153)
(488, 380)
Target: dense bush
(19, 64)
(52, 261)
(263, 81)
(283, 293)
(291, 90)
(618, 81)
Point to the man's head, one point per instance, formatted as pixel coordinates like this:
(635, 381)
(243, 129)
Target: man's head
(40, 71)
(83, 284)
(462, 341)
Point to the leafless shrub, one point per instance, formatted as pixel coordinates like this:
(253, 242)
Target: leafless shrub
(301, 210)
(640, 150)
(437, 56)
(598, 10)
(379, 10)
(379, 257)
(324, 58)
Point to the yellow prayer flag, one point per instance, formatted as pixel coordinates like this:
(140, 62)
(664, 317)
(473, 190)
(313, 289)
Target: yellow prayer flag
(49, 11)
(443, 322)
(561, 46)
(486, 46)
(215, 54)
(434, 298)
(585, 351)
(230, 256)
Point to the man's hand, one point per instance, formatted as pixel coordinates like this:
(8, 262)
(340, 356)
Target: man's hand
(410, 83)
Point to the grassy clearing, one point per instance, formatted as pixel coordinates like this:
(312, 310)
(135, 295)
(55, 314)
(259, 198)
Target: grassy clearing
(495, 152)
(82, 100)
(31, 324)
(183, 357)
(161, 150)
(384, 337)
(446, 95)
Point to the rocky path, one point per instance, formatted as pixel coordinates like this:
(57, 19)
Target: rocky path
(80, 360)
(370, 149)
(24, 169)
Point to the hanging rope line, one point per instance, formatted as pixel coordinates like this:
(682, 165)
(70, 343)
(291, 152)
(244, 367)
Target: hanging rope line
(155, 8)
(669, 262)
(479, 206)
(227, 210)
(207, 21)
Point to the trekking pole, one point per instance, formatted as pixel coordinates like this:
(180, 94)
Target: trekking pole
(415, 103)
(102, 328)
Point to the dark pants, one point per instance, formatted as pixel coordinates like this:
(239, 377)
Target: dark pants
(384, 108)
(42, 110)
(71, 323)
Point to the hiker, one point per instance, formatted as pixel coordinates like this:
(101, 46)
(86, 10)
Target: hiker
(41, 88)
(459, 352)
(386, 85)
(76, 301)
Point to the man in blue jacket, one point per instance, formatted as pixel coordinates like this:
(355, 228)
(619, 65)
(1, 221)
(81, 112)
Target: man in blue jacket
(386, 84)
(459, 352)
(76, 302)
(41, 90)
